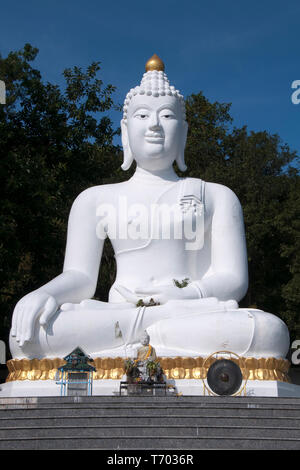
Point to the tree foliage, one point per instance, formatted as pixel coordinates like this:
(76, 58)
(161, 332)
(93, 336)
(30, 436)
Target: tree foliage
(56, 142)
(262, 172)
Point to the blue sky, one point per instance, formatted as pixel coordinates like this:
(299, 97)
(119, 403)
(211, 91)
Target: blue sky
(245, 53)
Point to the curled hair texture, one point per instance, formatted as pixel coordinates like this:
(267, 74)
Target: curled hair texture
(154, 83)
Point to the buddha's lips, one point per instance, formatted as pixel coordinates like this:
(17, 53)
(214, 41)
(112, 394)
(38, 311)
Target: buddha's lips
(154, 138)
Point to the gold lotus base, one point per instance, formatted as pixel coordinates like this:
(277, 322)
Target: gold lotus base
(174, 368)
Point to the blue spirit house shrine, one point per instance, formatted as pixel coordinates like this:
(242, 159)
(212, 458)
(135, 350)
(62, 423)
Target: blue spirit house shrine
(76, 375)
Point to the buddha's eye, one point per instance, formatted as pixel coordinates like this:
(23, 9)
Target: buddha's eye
(141, 116)
(167, 115)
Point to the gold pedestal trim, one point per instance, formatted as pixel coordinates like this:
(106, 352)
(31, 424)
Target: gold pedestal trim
(174, 368)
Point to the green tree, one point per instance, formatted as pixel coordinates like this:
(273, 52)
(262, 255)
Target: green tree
(288, 222)
(54, 144)
(259, 169)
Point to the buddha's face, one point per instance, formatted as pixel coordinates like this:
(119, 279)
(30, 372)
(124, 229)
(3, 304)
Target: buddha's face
(155, 130)
(145, 340)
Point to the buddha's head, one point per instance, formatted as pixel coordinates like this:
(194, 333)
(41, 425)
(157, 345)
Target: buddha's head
(153, 127)
(145, 338)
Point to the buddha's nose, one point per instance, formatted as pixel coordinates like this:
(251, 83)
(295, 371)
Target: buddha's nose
(154, 123)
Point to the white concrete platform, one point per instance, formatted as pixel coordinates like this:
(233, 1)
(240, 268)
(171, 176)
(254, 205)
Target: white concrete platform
(43, 388)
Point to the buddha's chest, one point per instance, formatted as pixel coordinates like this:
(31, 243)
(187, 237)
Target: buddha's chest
(134, 220)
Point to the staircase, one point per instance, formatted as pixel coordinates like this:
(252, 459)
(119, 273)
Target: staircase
(155, 423)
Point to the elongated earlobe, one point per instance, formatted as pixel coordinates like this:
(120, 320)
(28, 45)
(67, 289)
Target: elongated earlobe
(127, 154)
(180, 157)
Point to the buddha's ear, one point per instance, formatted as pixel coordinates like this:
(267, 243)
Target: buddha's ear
(180, 157)
(128, 157)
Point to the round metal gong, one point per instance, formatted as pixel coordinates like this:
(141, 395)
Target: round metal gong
(224, 377)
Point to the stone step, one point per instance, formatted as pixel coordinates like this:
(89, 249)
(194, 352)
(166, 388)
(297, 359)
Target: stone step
(175, 431)
(148, 420)
(162, 423)
(162, 402)
(157, 400)
(151, 442)
(146, 410)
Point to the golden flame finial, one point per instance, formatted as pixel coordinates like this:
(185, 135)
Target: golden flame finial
(154, 63)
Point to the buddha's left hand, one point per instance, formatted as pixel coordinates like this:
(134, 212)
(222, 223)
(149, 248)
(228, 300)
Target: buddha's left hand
(159, 294)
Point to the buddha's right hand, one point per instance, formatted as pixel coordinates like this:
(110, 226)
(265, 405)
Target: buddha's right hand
(37, 304)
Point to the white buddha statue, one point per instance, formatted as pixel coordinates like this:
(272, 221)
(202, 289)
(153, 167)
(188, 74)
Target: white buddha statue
(180, 250)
